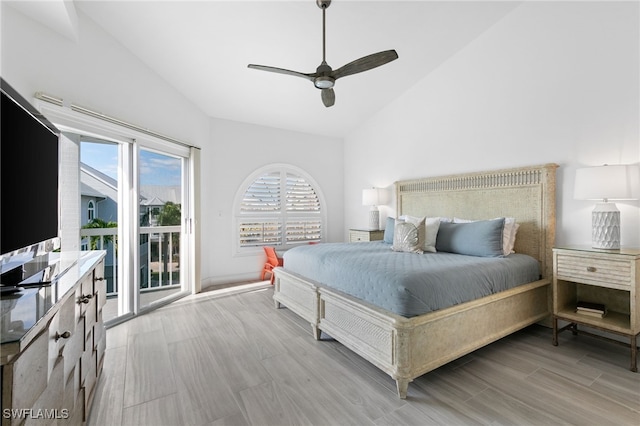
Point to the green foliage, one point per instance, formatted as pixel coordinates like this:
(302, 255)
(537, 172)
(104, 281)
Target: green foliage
(170, 214)
(100, 223)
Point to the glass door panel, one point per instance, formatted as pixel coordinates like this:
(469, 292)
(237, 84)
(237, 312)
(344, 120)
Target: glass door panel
(161, 219)
(99, 217)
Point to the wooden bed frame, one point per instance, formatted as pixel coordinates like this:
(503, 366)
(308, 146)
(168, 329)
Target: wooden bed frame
(406, 348)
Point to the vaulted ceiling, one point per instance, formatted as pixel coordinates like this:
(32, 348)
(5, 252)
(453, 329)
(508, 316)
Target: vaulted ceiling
(202, 49)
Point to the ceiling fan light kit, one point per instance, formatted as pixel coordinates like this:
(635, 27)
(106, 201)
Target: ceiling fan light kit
(325, 77)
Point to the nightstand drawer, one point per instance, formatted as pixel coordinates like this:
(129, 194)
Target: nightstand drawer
(594, 270)
(357, 235)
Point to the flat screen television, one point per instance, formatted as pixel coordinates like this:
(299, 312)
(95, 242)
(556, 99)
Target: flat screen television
(28, 175)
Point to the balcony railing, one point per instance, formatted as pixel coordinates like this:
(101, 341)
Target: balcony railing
(159, 256)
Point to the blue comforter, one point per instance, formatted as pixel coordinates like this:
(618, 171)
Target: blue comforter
(408, 284)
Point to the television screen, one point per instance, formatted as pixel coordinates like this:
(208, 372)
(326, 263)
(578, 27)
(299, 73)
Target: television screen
(28, 174)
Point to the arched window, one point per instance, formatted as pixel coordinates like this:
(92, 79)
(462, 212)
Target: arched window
(279, 206)
(91, 210)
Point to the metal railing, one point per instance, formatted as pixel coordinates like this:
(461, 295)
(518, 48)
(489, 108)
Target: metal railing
(159, 255)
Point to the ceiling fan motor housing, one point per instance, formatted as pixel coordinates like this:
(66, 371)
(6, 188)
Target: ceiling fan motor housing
(324, 80)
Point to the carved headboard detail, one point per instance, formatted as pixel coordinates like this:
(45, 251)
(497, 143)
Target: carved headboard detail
(525, 193)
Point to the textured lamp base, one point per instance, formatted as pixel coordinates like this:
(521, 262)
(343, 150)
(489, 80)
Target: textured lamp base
(374, 219)
(605, 222)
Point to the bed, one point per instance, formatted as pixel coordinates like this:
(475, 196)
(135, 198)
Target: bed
(406, 347)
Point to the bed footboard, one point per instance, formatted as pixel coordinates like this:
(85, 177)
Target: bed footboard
(298, 295)
(406, 348)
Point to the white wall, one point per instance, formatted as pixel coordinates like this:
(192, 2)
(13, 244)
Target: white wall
(96, 72)
(239, 149)
(549, 83)
(99, 73)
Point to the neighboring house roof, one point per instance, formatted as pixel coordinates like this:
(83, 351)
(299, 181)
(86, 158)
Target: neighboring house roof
(159, 195)
(94, 183)
(155, 201)
(88, 191)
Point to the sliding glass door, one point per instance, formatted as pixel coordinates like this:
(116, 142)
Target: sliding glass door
(131, 192)
(134, 204)
(163, 244)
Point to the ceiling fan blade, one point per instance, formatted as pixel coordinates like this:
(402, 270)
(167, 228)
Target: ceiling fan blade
(366, 63)
(282, 71)
(328, 97)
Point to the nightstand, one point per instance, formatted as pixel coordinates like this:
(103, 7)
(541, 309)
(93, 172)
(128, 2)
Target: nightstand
(356, 235)
(608, 277)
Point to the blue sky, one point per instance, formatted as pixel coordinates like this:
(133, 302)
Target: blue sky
(155, 169)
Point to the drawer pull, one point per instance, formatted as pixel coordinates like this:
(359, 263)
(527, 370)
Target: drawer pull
(591, 269)
(64, 335)
(86, 299)
(99, 279)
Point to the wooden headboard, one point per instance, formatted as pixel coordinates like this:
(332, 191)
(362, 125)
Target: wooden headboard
(525, 193)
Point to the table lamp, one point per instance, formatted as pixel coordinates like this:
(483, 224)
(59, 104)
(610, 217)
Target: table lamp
(604, 183)
(372, 197)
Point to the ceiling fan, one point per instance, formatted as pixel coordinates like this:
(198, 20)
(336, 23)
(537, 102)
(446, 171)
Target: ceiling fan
(325, 77)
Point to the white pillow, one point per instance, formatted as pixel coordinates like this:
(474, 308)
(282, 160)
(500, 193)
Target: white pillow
(508, 232)
(432, 224)
(512, 238)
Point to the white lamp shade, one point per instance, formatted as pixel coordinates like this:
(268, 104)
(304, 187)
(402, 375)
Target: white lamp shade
(619, 182)
(372, 197)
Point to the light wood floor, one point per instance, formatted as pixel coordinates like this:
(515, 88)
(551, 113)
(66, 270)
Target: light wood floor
(235, 360)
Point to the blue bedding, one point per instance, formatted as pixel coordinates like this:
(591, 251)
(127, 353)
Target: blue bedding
(408, 284)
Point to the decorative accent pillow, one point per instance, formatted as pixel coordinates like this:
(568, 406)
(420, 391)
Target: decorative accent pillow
(482, 238)
(406, 236)
(388, 230)
(431, 225)
(508, 236)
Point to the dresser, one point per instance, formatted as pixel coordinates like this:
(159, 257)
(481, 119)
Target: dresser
(53, 344)
(357, 235)
(610, 278)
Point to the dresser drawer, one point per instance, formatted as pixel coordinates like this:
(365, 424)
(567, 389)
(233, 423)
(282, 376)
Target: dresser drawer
(51, 400)
(89, 382)
(29, 373)
(87, 293)
(593, 270)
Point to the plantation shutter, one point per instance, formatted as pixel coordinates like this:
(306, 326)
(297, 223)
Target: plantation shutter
(263, 195)
(279, 208)
(259, 233)
(301, 197)
(303, 230)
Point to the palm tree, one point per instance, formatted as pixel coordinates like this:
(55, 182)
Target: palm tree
(100, 223)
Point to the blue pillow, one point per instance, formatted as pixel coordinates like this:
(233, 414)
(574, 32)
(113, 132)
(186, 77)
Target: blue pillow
(481, 238)
(388, 230)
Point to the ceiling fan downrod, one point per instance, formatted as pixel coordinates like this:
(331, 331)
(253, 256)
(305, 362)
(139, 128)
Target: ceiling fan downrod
(323, 4)
(323, 79)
